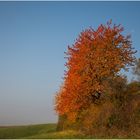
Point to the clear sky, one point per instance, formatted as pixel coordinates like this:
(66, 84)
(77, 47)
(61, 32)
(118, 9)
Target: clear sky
(33, 38)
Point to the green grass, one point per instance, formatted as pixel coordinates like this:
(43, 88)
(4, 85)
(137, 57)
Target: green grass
(42, 131)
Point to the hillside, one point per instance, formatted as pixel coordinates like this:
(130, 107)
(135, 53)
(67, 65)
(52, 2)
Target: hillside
(36, 131)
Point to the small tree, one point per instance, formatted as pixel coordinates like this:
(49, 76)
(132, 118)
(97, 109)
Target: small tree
(136, 69)
(96, 56)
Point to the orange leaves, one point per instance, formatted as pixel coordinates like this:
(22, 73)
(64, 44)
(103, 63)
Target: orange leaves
(95, 56)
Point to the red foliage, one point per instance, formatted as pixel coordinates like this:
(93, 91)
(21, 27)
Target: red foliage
(95, 56)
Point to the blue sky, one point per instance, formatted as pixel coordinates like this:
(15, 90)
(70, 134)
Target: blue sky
(33, 38)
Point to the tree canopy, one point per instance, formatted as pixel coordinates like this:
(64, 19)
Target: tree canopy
(97, 55)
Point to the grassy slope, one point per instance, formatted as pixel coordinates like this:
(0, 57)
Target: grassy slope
(37, 131)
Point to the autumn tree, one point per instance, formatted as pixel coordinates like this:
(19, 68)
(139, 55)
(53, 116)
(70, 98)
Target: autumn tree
(97, 55)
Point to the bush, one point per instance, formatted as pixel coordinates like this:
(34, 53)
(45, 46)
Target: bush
(112, 116)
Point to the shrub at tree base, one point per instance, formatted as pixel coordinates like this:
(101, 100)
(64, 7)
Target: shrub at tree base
(112, 121)
(108, 119)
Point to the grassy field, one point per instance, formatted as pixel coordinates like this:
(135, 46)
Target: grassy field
(37, 131)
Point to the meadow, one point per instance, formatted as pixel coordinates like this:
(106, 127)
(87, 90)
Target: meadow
(42, 131)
